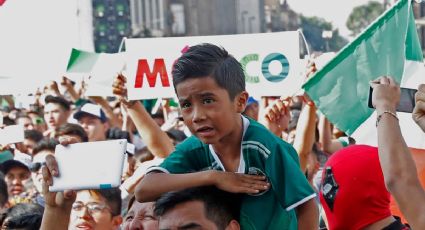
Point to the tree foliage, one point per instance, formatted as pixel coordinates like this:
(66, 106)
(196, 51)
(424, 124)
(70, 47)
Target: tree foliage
(363, 15)
(313, 27)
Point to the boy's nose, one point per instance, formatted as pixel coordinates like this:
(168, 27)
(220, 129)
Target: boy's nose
(198, 115)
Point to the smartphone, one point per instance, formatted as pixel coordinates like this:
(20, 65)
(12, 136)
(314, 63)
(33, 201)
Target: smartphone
(407, 100)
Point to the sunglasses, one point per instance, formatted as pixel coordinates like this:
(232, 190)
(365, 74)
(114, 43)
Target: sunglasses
(36, 166)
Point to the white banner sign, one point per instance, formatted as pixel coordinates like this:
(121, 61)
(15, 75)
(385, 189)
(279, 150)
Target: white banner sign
(271, 62)
(107, 67)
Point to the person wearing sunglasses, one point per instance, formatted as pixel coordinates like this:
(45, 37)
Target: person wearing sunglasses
(42, 149)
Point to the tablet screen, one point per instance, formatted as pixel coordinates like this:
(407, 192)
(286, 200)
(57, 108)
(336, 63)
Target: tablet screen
(91, 165)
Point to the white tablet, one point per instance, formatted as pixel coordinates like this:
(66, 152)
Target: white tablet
(91, 165)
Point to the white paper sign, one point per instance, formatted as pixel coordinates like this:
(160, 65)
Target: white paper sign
(103, 73)
(11, 134)
(271, 61)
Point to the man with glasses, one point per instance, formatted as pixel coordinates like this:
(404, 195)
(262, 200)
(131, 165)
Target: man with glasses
(96, 209)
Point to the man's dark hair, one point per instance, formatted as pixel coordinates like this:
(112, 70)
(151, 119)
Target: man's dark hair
(33, 135)
(66, 105)
(112, 197)
(49, 145)
(8, 121)
(4, 195)
(24, 216)
(72, 129)
(220, 207)
(208, 60)
(116, 133)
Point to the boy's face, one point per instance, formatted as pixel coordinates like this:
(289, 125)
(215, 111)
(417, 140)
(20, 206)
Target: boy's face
(95, 129)
(207, 109)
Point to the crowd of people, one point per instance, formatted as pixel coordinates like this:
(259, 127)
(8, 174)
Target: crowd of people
(221, 159)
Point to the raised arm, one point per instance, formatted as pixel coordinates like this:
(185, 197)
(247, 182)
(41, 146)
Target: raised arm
(329, 144)
(305, 133)
(67, 84)
(112, 118)
(157, 140)
(396, 161)
(58, 205)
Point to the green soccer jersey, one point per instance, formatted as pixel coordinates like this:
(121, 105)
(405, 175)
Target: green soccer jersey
(261, 152)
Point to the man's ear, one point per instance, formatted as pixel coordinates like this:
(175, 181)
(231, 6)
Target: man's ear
(233, 225)
(116, 221)
(241, 100)
(106, 126)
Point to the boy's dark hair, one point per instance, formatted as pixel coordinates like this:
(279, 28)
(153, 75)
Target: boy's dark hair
(112, 197)
(66, 105)
(33, 135)
(72, 129)
(49, 145)
(220, 207)
(208, 60)
(24, 216)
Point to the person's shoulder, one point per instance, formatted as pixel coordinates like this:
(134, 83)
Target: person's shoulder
(259, 133)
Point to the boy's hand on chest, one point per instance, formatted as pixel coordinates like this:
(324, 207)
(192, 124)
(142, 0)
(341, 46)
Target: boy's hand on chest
(240, 183)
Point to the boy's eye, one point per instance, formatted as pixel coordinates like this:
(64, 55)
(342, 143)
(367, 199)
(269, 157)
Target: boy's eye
(208, 100)
(185, 105)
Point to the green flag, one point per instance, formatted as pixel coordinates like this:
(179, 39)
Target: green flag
(340, 89)
(81, 61)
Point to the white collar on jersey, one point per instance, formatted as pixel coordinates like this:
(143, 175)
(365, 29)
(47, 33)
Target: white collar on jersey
(241, 168)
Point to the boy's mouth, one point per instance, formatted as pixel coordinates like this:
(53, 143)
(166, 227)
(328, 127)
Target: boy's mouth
(205, 131)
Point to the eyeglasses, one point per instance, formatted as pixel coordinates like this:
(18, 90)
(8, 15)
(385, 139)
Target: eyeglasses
(92, 208)
(34, 167)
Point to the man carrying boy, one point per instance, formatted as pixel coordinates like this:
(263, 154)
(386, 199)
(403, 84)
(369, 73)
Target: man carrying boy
(227, 147)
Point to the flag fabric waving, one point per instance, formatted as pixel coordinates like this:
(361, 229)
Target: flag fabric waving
(387, 47)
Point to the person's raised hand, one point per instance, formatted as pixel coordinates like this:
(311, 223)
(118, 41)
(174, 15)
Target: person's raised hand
(62, 200)
(56, 200)
(120, 90)
(53, 88)
(386, 93)
(418, 113)
(65, 82)
(277, 115)
(240, 183)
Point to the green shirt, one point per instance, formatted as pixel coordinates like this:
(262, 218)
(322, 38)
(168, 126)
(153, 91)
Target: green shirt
(262, 151)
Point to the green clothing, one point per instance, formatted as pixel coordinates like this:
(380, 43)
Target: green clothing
(273, 209)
